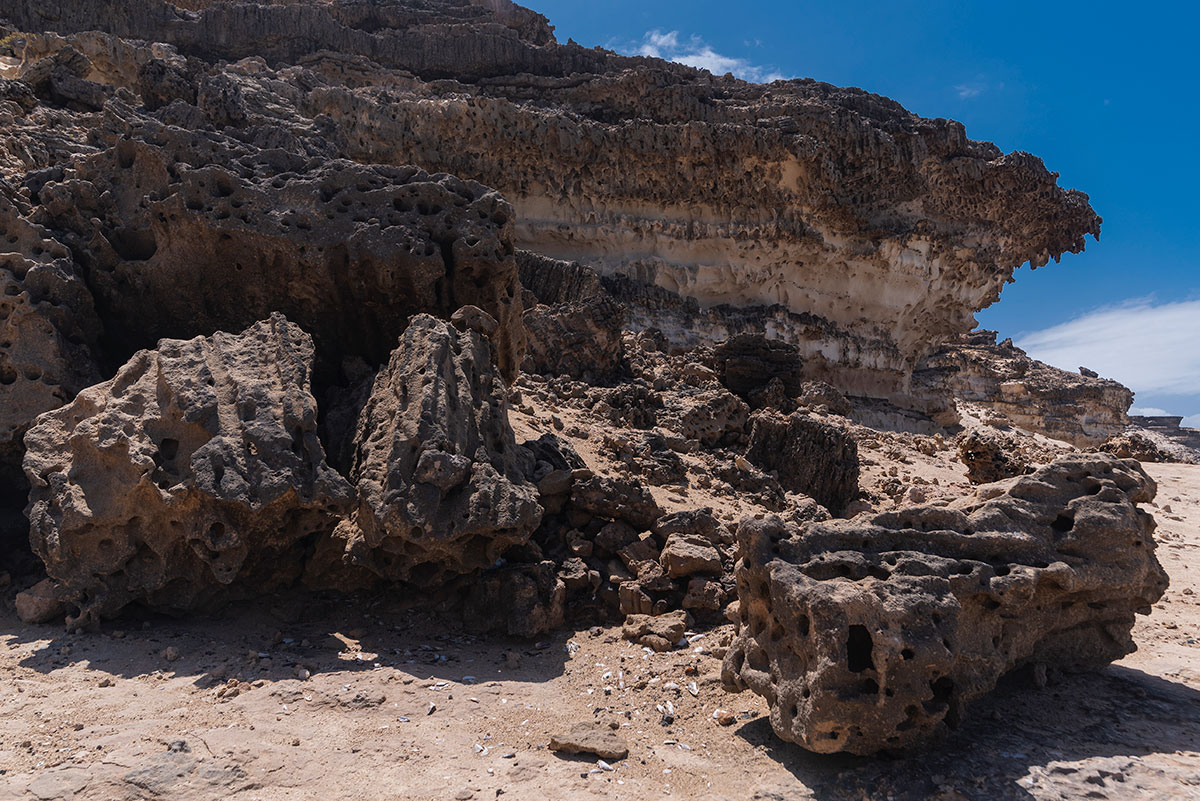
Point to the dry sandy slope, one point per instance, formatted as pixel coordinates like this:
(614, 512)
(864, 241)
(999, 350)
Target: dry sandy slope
(108, 717)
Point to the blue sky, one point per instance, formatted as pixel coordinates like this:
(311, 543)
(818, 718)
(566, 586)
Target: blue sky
(1106, 93)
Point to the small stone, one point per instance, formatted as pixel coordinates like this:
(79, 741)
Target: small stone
(170, 653)
(40, 603)
(106, 682)
(589, 738)
(464, 793)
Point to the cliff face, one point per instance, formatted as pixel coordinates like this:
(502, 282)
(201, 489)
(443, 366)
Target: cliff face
(1024, 392)
(865, 232)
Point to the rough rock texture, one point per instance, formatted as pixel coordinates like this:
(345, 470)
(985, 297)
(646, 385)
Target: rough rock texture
(992, 456)
(582, 339)
(749, 362)
(441, 481)
(520, 600)
(194, 476)
(870, 635)
(866, 231)
(48, 332)
(590, 738)
(1132, 445)
(1167, 434)
(810, 456)
(188, 234)
(1027, 393)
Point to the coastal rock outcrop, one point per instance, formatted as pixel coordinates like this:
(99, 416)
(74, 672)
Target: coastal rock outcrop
(1024, 392)
(877, 634)
(992, 456)
(193, 476)
(441, 481)
(861, 232)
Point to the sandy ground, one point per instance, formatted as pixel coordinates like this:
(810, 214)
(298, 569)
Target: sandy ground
(310, 698)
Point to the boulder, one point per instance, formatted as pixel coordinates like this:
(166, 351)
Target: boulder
(523, 600)
(590, 738)
(688, 554)
(617, 498)
(1133, 445)
(877, 633)
(991, 456)
(581, 339)
(660, 632)
(748, 362)
(441, 481)
(192, 477)
(41, 603)
(809, 456)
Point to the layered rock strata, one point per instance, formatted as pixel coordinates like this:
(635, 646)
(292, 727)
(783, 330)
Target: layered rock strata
(1020, 391)
(866, 231)
(193, 476)
(875, 634)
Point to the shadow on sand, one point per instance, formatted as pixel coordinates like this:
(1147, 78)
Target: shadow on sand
(1018, 743)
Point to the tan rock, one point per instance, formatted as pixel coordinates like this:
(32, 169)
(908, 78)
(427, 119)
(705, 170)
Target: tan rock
(687, 554)
(590, 738)
(41, 603)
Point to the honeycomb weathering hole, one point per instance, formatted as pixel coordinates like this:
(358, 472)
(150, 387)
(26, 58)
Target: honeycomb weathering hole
(859, 646)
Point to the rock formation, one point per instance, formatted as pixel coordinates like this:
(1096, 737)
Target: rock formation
(194, 475)
(1027, 393)
(421, 211)
(441, 481)
(810, 457)
(992, 456)
(863, 232)
(48, 332)
(189, 234)
(875, 634)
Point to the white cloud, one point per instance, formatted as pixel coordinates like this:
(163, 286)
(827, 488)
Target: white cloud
(969, 90)
(1192, 422)
(1150, 348)
(1148, 411)
(694, 52)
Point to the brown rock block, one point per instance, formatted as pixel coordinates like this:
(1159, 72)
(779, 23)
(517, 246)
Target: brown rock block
(810, 456)
(872, 635)
(688, 554)
(590, 738)
(192, 477)
(660, 632)
(441, 481)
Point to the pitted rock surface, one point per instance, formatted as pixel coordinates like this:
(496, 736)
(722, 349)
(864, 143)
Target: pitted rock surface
(861, 230)
(441, 480)
(810, 456)
(188, 233)
(48, 335)
(993, 456)
(192, 477)
(877, 634)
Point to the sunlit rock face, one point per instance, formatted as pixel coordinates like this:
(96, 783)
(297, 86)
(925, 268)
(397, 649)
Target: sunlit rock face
(1079, 408)
(866, 233)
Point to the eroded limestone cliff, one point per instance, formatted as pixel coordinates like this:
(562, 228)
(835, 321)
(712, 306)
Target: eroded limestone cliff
(824, 205)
